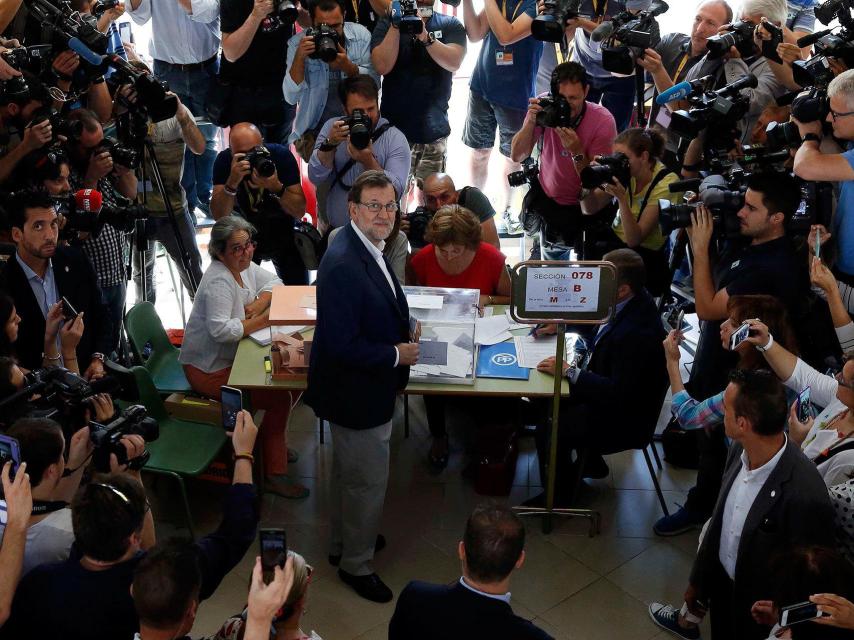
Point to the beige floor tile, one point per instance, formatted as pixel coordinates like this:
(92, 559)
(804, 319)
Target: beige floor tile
(629, 471)
(658, 574)
(602, 553)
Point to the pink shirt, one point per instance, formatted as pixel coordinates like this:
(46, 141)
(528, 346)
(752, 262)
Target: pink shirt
(558, 176)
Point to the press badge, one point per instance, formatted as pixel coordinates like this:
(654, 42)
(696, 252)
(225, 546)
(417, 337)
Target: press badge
(503, 58)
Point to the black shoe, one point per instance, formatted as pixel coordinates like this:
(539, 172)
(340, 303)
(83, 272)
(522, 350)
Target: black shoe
(539, 501)
(595, 467)
(335, 560)
(370, 587)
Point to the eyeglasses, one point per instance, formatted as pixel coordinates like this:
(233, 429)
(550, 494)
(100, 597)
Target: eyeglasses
(376, 207)
(836, 114)
(240, 249)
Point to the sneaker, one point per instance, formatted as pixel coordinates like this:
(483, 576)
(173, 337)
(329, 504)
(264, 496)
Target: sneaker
(667, 617)
(677, 523)
(512, 226)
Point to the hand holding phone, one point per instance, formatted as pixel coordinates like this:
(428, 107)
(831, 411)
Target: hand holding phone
(10, 451)
(740, 335)
(68, 311)
(804, 408)
(232, 403)
(801, 612)
(274, 551)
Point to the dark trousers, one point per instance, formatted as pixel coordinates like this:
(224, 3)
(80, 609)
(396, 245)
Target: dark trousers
(574, 432)
(721, 605)
(266, 108)
(615, 94)
(287, 262)
(713, 453)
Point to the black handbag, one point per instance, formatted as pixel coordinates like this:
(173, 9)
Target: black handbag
(218, 101)
(309, 244)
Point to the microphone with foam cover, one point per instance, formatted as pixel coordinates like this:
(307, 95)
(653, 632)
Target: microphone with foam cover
(77, 46)
(602, 31)
(88, 200)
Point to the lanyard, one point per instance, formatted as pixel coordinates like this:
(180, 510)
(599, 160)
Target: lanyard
(355, 4)
(558, 53)
(680, 67)
(515, 12)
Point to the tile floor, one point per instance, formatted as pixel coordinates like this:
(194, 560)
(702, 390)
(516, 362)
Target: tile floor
(573, 586)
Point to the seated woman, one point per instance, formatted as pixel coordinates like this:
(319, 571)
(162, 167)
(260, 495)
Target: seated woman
(232, 301)
(61, 336)
(457, 257)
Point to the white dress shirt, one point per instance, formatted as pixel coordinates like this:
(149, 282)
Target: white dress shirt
(377, 254)
(503, 597)
(742, 495)
(179, 37)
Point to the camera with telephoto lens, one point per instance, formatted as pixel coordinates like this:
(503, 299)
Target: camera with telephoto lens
(326, 41)
(122, 217)
(722, 198)
(102, 6)
(360, 129)
(59, 126)
(261, 160)
(106, 438)
(549, 26)
(33, 59)
(526, 175)
(780, 135)
(286, 11)
(739, 35)
(811, 105)
(152, 98)
(120, 154)
(630, 35)
(418, 221)
(828, 11)
(605, 169)
(556, 112)
(409, 21)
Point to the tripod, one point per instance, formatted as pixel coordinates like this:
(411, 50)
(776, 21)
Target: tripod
(639, 96)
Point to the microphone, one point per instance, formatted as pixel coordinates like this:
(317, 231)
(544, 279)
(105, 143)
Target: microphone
(811, 38)
(77, 46)
(88, 200)
(681, 90)
(602, 31)
(744, 82)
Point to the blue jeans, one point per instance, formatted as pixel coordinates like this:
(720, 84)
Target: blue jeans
(114, 297)
(192, 87)
(617, 95)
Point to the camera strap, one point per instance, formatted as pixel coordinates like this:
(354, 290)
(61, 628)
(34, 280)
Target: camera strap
(43, 507)
(340, 173)
(658, 178)
(828, 453)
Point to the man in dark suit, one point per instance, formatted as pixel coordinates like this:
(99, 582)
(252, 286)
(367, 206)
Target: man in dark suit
(478, 604)
(614, 402)
(359, 361)
(772, 499)
(41, 274)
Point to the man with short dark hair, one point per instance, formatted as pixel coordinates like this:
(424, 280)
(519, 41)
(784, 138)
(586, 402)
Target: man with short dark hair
(43, 273)
(772, 499)
(16, 116)
(336, 162)
(360, 358)
(626, 364)
(478, 605)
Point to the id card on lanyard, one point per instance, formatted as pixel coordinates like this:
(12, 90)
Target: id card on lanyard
(504, 58)
(662, 117)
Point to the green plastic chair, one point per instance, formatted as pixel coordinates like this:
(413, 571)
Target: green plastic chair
(146, 332)
(184, 448)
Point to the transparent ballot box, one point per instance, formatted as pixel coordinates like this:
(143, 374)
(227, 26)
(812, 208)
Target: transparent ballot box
(447, 346)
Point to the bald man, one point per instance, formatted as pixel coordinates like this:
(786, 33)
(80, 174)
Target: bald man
(440, 190)
(273, 203)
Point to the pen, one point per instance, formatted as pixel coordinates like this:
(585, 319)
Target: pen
(534, 330)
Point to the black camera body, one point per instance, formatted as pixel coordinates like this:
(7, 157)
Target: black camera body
(418, 221)
(740, 36)
(722, 196)
(33, 59)
(102, 6)
(152, 99)
(780, 135)
(261, 160)
(528, 174)
(106, 438)
(326, 41)
(830, 10)
(607, 168)
(410, 22)
(360, 129)
(811, 105)
(125, 156)
(556, 112)
(59, 126)
(122, 217)
(549, 26)
(632, 34)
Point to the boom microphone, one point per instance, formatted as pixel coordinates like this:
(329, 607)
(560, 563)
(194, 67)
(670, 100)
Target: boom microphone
(744, 82)
(811, 38)
(601, 32)
(681, 90)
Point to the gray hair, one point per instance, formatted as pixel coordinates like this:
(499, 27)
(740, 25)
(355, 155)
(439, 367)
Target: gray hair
(842, 86)
(775, 10)
(222, 230)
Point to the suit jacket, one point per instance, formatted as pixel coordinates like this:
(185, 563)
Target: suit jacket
(352, 380)
(76, 280)
(429, 611)
(625, 380)
(792, 508)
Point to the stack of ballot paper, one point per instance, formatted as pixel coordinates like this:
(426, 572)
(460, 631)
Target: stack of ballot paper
(263, 337)
(531, 351)
(492, 330)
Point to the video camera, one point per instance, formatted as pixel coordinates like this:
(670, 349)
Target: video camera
(526, 175)
(722, 195)
(106, 438)
(605, 169)
(326, 41)
(627, 36)
(80, 218)
(810, 105)
(152, 98)
(551, 23)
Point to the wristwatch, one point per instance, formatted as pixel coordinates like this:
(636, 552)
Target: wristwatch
(811, 136)
(430, 39)
(578, 157)
(327, 146)
(281, 191)
(98, 356)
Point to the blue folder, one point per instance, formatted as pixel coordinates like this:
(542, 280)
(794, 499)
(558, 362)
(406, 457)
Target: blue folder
(499, 361)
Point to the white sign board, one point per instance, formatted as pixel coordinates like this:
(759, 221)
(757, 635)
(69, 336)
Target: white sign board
(559, 289)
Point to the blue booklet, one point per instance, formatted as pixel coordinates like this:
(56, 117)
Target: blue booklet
(499, 361)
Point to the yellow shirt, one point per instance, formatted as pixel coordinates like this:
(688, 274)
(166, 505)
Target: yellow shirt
(655, 240)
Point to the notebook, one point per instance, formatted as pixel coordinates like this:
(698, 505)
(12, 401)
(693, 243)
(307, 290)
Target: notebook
(499, 361)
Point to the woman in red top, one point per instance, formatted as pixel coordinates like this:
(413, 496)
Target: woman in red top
(457, 257)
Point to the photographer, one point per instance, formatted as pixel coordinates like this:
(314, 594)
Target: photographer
(19, 502)
(171, 138)
(41, 275)
(89, 596)
(421, 65)
(814, 163)
(16, 116)
(337, 162)
(765, 262)
(311, 83)
(566, 150)
(271, 202)
(255, 50)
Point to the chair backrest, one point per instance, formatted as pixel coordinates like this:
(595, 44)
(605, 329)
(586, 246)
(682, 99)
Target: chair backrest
(149, 397)
(147, 336)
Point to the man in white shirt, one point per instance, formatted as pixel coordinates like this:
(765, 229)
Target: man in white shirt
(772, 499)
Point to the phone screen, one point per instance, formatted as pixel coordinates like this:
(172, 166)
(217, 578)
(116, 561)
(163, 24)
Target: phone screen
(739, 336)
(804, 411)
(680, 320)
(232, 403)
(68, 311)
(798, 613)
(9, 450)
(274, 551)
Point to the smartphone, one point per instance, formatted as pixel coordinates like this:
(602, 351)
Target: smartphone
(739, 336)
(68, 310)
(680, 320)
(9, 450)
(818, 243)
(803, 409)
(274, 551)
(232, 403)
(800, 612)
